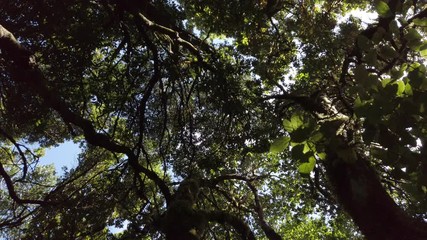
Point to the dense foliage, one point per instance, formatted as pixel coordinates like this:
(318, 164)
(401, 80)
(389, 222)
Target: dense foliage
(257, 119)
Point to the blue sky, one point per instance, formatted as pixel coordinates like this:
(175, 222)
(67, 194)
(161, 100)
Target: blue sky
(66, 154)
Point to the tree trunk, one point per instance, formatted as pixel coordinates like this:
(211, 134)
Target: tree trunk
(359, 190)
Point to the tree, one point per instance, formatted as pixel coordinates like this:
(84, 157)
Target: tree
(214, 119)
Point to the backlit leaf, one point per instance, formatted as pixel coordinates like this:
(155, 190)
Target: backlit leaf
(307, 167)
(383, 9)
(294, 123)
(279, 144)
(408, 89)
(321, 155)
(400, 87)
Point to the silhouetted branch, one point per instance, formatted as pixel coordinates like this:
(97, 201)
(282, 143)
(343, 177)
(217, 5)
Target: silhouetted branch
(18, 147)
(269, 231)
(239, 225)
(8, 44)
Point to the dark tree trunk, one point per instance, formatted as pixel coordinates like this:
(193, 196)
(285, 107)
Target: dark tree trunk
(360, 192)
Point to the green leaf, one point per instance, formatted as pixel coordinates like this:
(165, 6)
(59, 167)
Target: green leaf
(321, 156)
(245, 41)
(394, 28)
(417, 77)
(385, 82)
(388, 52)
(423, 49)
(408, 90)
(414, 39)
(363, 43)
(40, 152)
(307, 167)
(372, 112)
(422, 22)
(372, 82)
(371, 57)
(389, 92)
(317, 136)
(396, 73)
(294, 123)
(358, 102)
(378, 35)
(383, 9)
(400, 87)
(412, 35)
(308, 147)
(279, 145)
(361, 74)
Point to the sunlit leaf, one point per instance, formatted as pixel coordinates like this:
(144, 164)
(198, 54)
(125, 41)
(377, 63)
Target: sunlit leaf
(245, 41)
(383, 9)
(423, 49)
(307, 167)
(385, 82)
(408, 89)
(358, 102)
(400, 87)
(294, 123)
(279, 144)
(321, 156)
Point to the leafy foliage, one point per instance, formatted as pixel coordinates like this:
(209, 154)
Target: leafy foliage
(219, 119)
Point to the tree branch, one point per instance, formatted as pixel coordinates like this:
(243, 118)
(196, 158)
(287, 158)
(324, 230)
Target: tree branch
(360, 191)
(12, 192)
(27, 67)
(368, 33)
(18, 147)
(239, 225)
(269, 231)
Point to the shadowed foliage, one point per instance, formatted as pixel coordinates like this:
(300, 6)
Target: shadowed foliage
(258, 119)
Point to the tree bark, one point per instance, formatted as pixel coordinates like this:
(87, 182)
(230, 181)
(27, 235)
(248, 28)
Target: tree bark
(360, 192)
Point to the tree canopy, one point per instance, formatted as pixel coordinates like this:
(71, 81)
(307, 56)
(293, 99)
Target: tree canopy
(256, 119)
